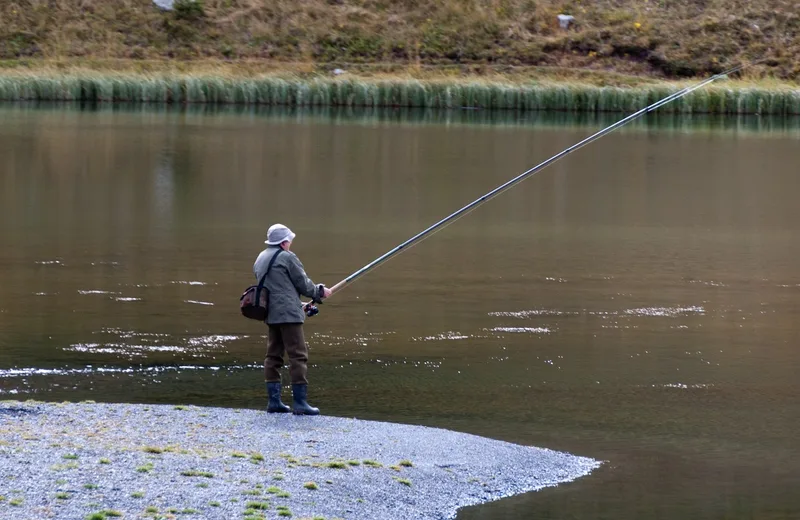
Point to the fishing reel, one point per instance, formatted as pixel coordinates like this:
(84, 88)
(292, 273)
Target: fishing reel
(310, 309)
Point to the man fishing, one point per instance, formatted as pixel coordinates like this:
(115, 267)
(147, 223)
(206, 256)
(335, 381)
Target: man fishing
(286, 282)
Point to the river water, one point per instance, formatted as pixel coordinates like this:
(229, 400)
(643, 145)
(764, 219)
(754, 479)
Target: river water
(636, 302)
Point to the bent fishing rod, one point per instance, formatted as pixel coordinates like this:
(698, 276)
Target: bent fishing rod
(524, 175)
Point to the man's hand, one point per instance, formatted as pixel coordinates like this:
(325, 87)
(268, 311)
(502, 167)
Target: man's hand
(322, 293)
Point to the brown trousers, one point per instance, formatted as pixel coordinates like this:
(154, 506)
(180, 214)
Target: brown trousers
(286, 337)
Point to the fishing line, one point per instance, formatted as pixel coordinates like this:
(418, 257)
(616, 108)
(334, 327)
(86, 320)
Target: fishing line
(438, 226)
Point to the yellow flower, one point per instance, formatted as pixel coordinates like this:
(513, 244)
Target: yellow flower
(637, 25)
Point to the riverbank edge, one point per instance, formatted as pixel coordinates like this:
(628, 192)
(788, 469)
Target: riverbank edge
(245, 86)
(90, 460)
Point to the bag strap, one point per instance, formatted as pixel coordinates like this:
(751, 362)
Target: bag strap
(264, 278)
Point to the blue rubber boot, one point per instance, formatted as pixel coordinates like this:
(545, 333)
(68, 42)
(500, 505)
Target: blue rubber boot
(300, 406)
(275, 405)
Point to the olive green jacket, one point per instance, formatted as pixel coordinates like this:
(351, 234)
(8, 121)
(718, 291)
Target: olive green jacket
(286, 281)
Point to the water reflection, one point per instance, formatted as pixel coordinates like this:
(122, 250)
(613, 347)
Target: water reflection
(655, 121)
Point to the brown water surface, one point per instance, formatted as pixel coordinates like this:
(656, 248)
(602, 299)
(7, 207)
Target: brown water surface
(636, 302)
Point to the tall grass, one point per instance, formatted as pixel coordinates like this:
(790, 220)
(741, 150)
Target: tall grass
(726, 98)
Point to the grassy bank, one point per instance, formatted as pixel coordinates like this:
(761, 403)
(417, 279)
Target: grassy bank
(728, 97)
(618, 55)
(660, 38)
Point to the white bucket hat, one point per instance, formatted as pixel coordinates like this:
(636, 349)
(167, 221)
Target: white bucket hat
(277, 234)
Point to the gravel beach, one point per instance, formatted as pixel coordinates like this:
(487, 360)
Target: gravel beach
(90, 460)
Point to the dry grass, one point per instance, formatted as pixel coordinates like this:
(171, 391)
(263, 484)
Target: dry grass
(252, 68)
(667, 38)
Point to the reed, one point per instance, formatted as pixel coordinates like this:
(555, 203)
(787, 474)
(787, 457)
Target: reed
(720, 98)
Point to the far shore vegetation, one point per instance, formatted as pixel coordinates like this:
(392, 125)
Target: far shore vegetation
(614, 56)
(497, 92)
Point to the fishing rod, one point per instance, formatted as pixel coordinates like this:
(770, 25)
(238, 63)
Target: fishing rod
(311, 310)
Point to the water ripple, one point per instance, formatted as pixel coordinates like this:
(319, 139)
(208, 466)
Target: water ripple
(669, 312)
(89, 369)
(128, 334)
(143, 343)
(711, 283)
(683, 386)
(214, 340)
(534, 330)
(529, 313)
(361, 340)
(449, 335)
(118, 348)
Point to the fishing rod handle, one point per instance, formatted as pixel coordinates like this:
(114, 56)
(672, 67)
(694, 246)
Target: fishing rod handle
(338, 286)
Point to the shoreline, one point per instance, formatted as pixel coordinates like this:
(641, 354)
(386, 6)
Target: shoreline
(535, 90)
(89, 460)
